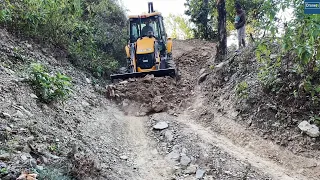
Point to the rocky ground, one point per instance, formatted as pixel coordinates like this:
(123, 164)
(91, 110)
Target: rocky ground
(152, 128)
(262, 112)
(208, 96)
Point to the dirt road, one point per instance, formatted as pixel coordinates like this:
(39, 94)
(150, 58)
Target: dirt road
(197, 141)
(196, 146)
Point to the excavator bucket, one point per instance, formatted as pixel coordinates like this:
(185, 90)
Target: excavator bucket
(158, 73)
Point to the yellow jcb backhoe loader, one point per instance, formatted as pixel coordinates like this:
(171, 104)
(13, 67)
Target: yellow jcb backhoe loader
(149, 50)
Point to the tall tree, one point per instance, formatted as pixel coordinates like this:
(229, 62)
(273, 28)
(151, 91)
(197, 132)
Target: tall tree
(200, 13)
(222, 31)
(178, 26)
(203, 15)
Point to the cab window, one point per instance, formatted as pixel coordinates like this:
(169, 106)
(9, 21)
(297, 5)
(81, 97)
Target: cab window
(153, 23)
(134, 31)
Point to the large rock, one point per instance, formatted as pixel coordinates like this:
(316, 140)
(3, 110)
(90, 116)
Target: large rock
(158, 104)
(88, 80)
(6, 115)
(202, 78)
(169, 135)
(161, 125)
(185, 160)
(85, 103)
(124, 82)
(19, 114)
(200, 173)
(5, 157)
(24, 157)
(202, 71)
(191, 169)
(310, 129)
(124, 157)
(174, 155)
(33, 96)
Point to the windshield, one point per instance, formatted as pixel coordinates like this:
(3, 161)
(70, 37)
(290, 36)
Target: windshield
(148, 25)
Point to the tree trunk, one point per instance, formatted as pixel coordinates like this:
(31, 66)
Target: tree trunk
(222, 32)
(206, 13)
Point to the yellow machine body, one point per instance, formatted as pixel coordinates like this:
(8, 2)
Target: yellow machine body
(148, 53)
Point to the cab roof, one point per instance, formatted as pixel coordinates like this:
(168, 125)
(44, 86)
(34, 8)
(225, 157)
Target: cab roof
(145, 15)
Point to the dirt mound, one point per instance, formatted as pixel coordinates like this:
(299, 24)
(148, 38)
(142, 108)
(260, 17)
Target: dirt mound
(157, 94)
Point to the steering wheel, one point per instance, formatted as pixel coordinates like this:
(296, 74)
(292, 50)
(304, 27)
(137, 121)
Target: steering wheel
(149, 34)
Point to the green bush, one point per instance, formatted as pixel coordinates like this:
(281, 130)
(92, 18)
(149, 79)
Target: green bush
(50, 87)
(242, 90)
(92, 31)
(3, 171)
(296, 69)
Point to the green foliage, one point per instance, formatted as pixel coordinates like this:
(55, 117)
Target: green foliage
(315, 119)
(50, 87)
(53, 148)
(252, 8)
(268, 71)
(3, 171)
(203, 15)
(5, 15)
(242, 90)
(298, 52)
(179, 26)
(93, 31)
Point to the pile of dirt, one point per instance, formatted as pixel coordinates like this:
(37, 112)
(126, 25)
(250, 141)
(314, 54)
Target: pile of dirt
(158, 94)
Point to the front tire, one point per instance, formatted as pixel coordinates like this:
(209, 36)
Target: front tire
(170, 62)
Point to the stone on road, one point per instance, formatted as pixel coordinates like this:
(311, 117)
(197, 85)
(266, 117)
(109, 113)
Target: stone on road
(169, 135)
(310, 129)
(185, 160)
(200, 173)
(161, 125)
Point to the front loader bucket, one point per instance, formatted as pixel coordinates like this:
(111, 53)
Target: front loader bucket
(157, 73)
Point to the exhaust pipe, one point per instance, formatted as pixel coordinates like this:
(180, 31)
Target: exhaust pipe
(150, 7)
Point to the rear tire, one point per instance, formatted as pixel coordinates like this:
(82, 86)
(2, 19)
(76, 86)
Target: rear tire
(123, 70)
(172, 65)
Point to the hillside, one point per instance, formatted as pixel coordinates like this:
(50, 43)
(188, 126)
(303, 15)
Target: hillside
(168, 130)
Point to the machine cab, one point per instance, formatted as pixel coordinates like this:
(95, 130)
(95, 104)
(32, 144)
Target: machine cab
(142, 26)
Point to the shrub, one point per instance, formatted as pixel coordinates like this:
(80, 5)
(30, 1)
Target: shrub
(50, 87)
(92, 31)
(296, 69)
(242, 90)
